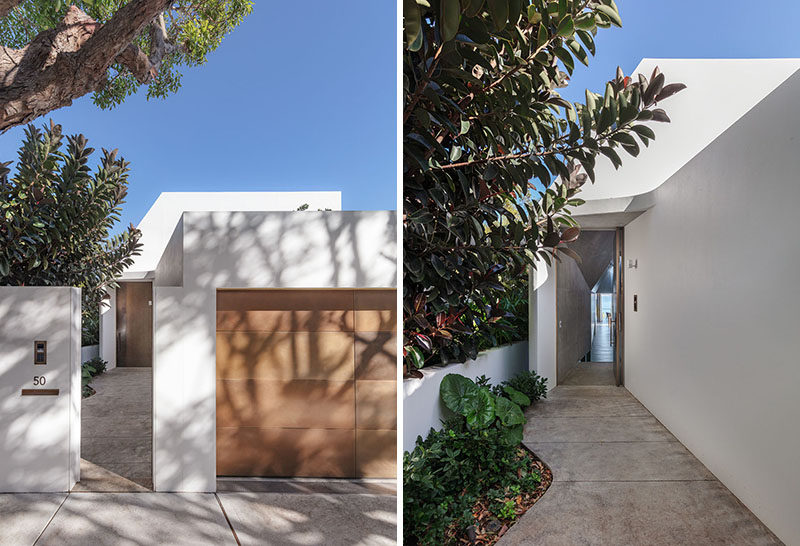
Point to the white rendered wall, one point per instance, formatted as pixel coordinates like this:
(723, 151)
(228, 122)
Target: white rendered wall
(713, 350)
(108, 329)
(243, 250)
(422, 407)
(40, 435)
(542, 325)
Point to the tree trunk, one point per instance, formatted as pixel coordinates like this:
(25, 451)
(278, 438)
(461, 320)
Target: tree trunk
(71, 60)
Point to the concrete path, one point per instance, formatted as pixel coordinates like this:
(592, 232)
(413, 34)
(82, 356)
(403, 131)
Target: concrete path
(116, 432)
(620, 477)
(303, 512)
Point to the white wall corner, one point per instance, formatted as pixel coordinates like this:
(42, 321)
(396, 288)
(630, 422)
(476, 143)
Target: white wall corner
(75, 389)
(108, 329)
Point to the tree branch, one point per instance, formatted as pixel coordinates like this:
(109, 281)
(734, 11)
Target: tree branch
(71, 60)
(6, 6)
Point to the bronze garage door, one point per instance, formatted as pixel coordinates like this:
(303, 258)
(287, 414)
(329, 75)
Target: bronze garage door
(306, 383)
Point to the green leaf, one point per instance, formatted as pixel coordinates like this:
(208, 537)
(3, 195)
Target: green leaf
(644, 131)
(516, 396)
(498, 9)
(449, 18)
(453, 391)
(479, 408)
(412, 23)
(512, 436)
(455, 153)
(566, 27)
(509, 412)
(565, 58)
(610, 13)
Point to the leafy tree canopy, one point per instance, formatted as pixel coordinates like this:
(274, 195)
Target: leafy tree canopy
(57, 51)
(57, 215)
(494, 157)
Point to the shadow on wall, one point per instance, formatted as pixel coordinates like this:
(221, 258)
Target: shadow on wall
(276, 249)
(34, 430)
(252, 250)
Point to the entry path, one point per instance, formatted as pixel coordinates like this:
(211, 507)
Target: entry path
(620, 477)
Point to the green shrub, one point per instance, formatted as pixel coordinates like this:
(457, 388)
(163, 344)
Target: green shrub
(449, 471)
(97, 364)
(90, 324)
(89, 370)
(481, 408)
(530, 384)
(87, 374)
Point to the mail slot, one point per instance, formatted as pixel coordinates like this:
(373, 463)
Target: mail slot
(40, 352)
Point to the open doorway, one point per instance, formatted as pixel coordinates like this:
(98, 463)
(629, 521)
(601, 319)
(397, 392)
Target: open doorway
(588, 314)
(116, 421)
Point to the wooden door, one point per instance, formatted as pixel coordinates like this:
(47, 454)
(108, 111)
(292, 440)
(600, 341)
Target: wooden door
(135, 324)
(306, 383)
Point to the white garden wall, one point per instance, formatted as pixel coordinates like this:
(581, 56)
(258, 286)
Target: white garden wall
(40, 435)
(89, 352)
(422, 407)
(713, 349)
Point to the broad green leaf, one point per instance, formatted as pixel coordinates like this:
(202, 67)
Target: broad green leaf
(498, 9)
(412, 23)
(509, 412)
(449, 18)
(566, 27)
(453, 391)
(611, 13)
(479, 408)
(516, 396)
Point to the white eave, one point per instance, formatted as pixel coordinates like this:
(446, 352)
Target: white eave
(719, 92)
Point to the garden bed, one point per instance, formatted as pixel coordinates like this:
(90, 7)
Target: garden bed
(491, 524)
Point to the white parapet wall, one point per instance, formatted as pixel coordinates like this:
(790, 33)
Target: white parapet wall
(39, 431)
(422, 407)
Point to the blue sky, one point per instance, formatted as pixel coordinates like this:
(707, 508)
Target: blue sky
(689, 29)
(299, 97)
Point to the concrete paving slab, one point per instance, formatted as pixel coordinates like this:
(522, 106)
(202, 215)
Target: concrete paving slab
(588, 404)
(23, 516)
(96, 478)
(637, 513)
(595, 429)
(611, 461)
(123, 519)
(591, 373)
(105, 449)
(303, 519)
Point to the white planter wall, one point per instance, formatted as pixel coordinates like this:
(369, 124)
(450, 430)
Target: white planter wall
(422, 407)
(40, 435)
(89, 352)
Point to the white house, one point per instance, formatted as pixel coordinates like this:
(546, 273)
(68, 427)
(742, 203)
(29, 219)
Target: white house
(271, 333)
(707, 229)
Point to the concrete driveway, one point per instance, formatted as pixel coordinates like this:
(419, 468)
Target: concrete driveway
(303, 512)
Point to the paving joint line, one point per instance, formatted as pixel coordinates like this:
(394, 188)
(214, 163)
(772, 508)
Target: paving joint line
(230, 525)
(52, 518)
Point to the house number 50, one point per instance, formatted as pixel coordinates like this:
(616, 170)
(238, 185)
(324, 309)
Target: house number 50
(39, 380)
